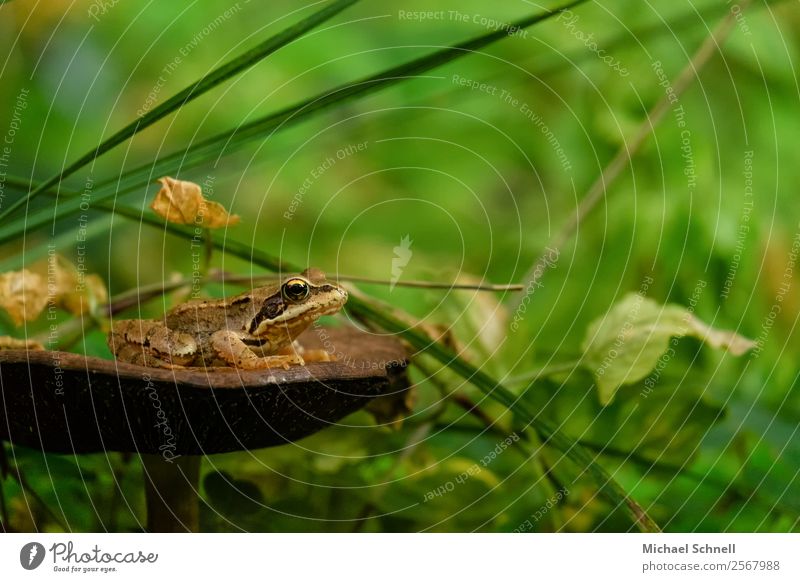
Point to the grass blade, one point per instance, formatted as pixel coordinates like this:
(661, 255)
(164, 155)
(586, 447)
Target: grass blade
(193, 91)
(228, 141)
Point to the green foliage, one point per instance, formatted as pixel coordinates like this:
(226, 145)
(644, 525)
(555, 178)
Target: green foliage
(694, 439)
(195, 90)
(630, 341)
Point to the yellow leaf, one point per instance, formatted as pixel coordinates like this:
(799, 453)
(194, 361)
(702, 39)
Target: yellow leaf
(12, 343)
(60, 275)
(53, 281)
(182, 202)
(68, 288)
(86, 296)
(23, 294)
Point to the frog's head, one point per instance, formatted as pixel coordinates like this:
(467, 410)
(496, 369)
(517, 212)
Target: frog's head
(293, 306)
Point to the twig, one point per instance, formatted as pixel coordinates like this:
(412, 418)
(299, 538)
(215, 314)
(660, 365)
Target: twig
(627, 150)
(434, 285)
(136, 296)
(422, 284)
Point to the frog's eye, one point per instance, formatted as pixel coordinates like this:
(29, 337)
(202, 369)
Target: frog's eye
(295, 290)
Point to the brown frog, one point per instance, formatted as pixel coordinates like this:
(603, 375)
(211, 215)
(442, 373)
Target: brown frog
(253, 330)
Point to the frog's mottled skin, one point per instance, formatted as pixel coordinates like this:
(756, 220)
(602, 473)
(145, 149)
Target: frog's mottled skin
(253, 330)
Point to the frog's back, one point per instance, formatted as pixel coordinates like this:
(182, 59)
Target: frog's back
(205, 316)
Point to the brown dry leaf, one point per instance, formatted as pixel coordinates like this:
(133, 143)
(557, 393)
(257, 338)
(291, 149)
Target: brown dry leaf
(60, 274)
(23, 294)
(182, 202)
(12, 343)
(86, 297)
(52, 281)
(71, 290)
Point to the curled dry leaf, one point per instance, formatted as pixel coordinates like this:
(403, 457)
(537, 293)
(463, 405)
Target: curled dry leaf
(85, 297)
(23, 294)
(53, 281)
(182, 202)
(68, 287)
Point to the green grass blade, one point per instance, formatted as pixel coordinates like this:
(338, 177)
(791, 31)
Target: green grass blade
(193, 91)
(228, 141)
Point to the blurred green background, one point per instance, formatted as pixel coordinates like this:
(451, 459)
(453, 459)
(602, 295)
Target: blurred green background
(479, 187)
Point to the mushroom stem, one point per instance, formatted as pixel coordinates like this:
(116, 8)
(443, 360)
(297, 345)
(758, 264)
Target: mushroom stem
(171, 492)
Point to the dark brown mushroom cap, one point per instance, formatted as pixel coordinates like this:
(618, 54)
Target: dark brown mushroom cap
(67, 403)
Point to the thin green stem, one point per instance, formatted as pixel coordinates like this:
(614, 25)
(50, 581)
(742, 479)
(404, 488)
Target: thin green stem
(209, 251)
(545, 371)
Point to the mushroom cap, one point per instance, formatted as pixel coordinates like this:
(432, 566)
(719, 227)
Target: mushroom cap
(68, 403)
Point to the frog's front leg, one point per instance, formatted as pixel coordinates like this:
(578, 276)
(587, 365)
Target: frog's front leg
(148, 342)
(230, 348)
(309, 355)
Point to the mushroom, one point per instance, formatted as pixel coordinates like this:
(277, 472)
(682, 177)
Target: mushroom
(67, 403)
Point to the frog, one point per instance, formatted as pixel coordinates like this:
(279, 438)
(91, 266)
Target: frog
(254, 330)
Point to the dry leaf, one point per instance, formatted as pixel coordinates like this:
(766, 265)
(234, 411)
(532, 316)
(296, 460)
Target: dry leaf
(23, 294)
(77, 294)
(12, 343)
(52, 281)
(182, 202)
(86, 298)
(60, 274)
